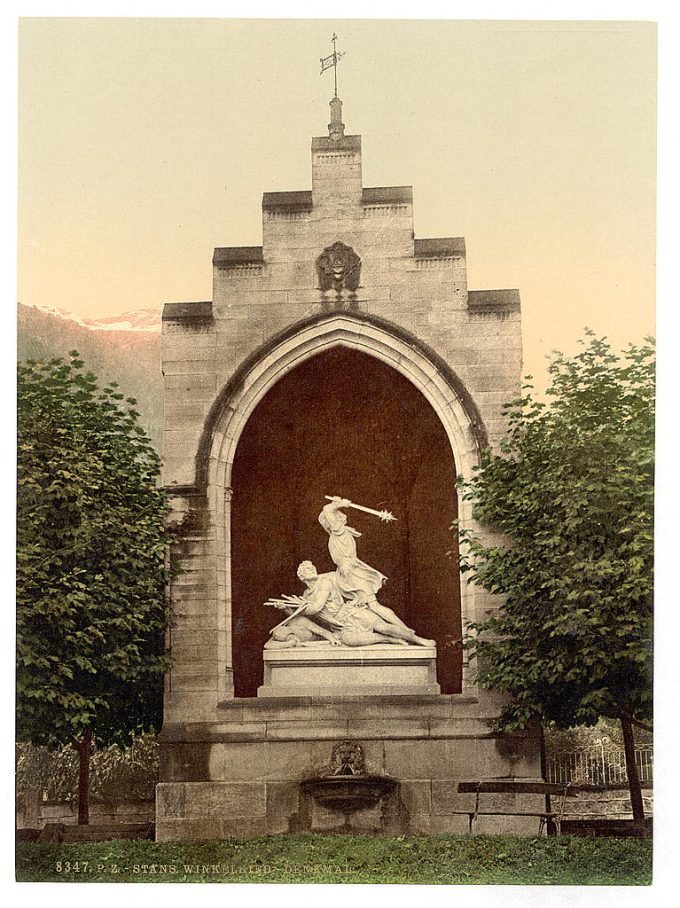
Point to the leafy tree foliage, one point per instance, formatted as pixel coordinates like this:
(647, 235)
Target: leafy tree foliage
(571, 495)
(91, 562)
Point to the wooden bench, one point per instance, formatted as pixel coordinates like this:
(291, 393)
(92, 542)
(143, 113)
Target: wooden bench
(517, 786)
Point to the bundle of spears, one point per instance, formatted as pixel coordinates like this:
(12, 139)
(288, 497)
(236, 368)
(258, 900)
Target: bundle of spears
(297, 603)
(293, 602)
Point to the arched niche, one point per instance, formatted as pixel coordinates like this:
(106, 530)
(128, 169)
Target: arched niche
(434, 382)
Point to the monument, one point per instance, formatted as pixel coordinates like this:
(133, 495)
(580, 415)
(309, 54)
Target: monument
(342, 355)
(341, 609)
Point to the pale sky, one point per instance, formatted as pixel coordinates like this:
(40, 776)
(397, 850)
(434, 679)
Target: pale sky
(144, 143)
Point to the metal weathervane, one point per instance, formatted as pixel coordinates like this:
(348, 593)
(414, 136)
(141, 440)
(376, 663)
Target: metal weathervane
(332, 60)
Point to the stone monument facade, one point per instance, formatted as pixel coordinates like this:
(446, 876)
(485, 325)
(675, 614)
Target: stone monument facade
(344, 356)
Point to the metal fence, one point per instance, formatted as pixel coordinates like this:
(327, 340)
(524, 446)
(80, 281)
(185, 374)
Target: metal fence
(598, 765)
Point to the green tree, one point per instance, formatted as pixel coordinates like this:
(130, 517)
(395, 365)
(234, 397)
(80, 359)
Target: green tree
(571, 496)
(91, 565)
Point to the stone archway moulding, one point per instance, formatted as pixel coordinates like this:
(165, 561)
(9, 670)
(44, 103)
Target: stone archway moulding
(344, 331)
(387, 343)
(405, 347)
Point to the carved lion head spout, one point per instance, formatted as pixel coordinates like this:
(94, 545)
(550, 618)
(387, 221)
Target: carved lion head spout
(347, 759)
(338, 267)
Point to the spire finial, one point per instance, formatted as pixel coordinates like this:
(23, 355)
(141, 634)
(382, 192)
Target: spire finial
(336, 128)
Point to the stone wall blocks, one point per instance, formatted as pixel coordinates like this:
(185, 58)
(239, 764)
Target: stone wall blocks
(181, 354)
(241, 761)
(243, 826)
(288, 760)
(456, 728)
(229, 311)
(448, 825)
(441, 283)
(505, 370)
(416, 795)
(187, 366)
(369, 293)
(188, 655)
(195, 547)
(419, 824)
(188, 705)
(185, 761)
(260, 759)
(184, 327)
(283, 803)
(378, 277)
(184, 623)
(200, 635)
(374, 755)
(393, 727)
(228, 281)
(187, 667)
(505, 383)
(236, 333)
(194, 384)
(179, 470)
(194, 563)
(177, 462)
(318, 729)
(196, 599)
(446, 799)
(244, 733)
(413, 708)
(504, 336)
(199, 830)
(201, 391)
(265, 710)
(190, 342)
(434, 758)
(408, 759)
(492, 401)
(170, 799)
(285, 230)
(347, 708)
(207, 683)
(188, 412)
(235, 340)
(306, 297)
(217, 762)
(262, 297)
(244, 799)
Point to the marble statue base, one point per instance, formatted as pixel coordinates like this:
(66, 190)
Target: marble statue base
(320, 670)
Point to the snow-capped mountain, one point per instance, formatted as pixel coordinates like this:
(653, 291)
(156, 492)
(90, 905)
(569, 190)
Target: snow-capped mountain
(135, 320)
(123, 348)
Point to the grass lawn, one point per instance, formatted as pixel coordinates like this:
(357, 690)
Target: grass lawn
(562, 860)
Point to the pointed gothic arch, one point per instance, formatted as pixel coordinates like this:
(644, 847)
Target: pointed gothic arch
(235, 404)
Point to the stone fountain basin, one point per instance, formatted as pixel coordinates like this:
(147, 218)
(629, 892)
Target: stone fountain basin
(349, 793)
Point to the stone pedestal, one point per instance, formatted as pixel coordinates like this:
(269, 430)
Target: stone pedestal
(243, 772)
(324, 670)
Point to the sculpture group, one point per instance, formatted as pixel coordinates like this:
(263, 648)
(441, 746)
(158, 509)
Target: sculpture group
(341, 606)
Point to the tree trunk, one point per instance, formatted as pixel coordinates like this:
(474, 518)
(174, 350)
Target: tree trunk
(84, 748)
(544, 764)
(631, 769)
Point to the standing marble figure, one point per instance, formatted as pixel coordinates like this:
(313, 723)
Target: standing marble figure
(356, 579)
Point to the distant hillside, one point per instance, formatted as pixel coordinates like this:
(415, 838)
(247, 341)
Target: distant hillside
(125, 349)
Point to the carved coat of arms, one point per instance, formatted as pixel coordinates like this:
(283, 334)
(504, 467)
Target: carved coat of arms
(338, 267)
